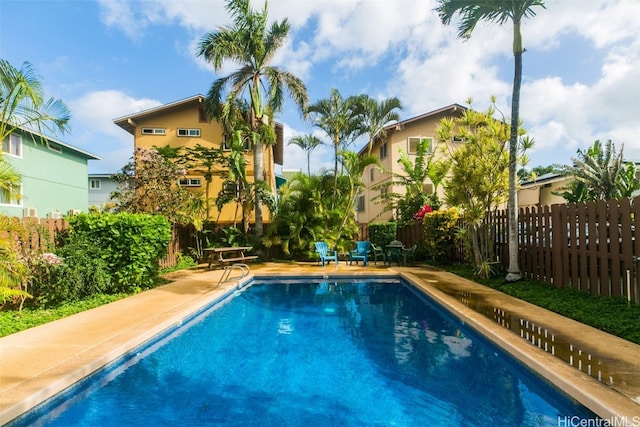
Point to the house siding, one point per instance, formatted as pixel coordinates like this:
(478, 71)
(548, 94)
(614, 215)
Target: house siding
(52, 181)
(397, 138)
(186, 114)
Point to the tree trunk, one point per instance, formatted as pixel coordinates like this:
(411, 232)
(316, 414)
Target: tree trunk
(513, 271)
(258, 172)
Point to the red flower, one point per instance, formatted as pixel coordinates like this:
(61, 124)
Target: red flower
(422, 212)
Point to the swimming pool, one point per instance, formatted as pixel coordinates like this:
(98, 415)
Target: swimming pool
(366, 352)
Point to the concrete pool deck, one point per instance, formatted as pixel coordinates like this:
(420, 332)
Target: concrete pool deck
(40, 362)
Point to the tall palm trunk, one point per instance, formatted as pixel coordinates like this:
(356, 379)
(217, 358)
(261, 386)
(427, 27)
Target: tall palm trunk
(513, 271)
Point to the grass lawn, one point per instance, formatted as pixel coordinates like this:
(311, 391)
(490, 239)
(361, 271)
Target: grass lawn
(615, 316)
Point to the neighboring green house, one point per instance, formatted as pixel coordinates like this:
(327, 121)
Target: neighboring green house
(54, 176)
(101, 186)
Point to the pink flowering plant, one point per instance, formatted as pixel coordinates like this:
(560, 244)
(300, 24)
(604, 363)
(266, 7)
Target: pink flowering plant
(422, 212)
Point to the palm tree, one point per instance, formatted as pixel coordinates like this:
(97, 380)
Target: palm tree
(500, 11)
(22, 103)
(308, 143)
(338, 118)
(375, 115)
(253, 45)
(600, 174)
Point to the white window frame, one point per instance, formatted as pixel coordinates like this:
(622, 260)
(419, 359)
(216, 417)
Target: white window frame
(413, 141)
(384, 151)
(93, 181)
(153, 131)
(188, 132)
(13, 202)
(190, 182)
(14, 144)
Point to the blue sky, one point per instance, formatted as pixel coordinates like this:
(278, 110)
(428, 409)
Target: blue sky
(109, 58)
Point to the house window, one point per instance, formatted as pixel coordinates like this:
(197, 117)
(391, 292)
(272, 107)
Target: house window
(360, 204)
(16, 200)
(414, 141)
(202, 116)
(383, 151)
(94, 184)
(190, 182)
(372, 174)
(458, 138)
(12, 145)
(154, 131)
(189, 132)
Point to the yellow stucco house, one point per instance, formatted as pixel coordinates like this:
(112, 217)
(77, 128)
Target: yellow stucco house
(183, 123)
(405, 135)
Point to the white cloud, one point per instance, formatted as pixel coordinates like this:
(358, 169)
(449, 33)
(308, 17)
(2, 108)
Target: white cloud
(93, 128)
(332, 41)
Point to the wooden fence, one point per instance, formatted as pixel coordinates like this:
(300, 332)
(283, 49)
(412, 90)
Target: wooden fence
(587, 246)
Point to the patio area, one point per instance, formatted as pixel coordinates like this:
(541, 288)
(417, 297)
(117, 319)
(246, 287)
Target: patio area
(38, 363)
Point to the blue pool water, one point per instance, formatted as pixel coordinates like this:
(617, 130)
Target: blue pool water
(299, 353)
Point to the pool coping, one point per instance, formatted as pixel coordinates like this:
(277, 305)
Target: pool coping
(40, 362)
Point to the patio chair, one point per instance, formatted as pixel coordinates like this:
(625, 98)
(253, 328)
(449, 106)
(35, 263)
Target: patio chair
(326, 254)
(360, 253)
(377, 251)
(409, 254)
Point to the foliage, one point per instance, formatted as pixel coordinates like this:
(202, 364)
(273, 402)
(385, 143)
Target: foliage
(237, 187)
(130, 244)
(78, 273)
(338, 118)
(252, 44)
(524, 174)
(415, 172)
(305, 215)
(23, 104)
(204, 160)
(149, 184)
(599, 173)
(440, 234)
(307, 143)
(12, 321)
(184, 262)
(478, 183)
(381, 234)
(10, 180)
(374, 115)
(14, 271)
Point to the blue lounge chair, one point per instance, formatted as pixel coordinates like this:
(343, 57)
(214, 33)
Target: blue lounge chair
(360, 253)
(325, 253)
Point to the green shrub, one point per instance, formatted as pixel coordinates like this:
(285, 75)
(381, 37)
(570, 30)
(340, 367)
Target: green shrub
(131, 245)
(382, 234)
(440, 234)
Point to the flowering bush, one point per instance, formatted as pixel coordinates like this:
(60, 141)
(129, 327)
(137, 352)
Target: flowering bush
(51, 259)
(422, 212)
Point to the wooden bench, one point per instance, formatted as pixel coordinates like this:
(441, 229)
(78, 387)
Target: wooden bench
(217, 255)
